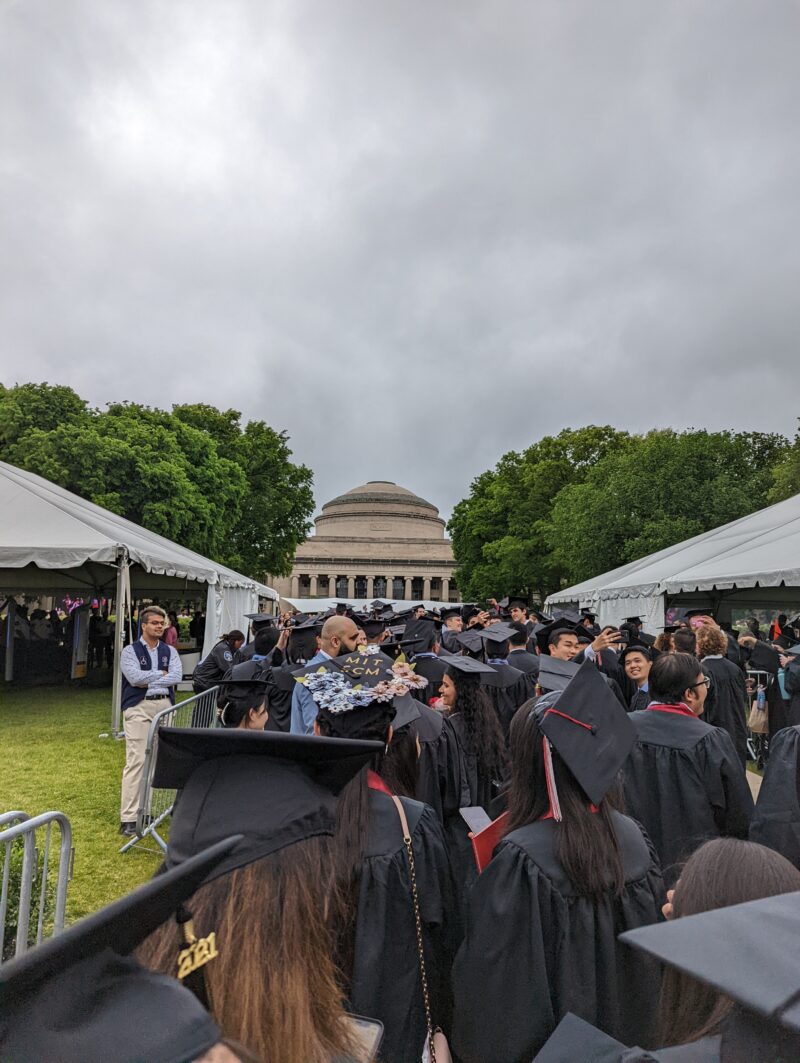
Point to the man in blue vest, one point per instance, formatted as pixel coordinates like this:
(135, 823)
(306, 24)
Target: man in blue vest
(150, 672)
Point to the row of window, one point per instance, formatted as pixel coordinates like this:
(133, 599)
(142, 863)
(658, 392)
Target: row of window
(382, 587)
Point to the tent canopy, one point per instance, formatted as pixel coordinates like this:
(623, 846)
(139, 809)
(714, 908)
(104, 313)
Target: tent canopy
(50, 528)
(734, 561)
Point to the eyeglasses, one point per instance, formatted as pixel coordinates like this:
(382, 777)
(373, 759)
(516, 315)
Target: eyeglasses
(703, 683)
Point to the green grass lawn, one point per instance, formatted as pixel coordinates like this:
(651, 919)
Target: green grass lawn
(51, 759)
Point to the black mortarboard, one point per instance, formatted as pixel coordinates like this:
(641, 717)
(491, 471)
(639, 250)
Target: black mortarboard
(271, 787)
(583, 635)
(555, 674)
(262, 618)
(79, 996)
(590, 731)
(764, 658)
(543, 632)
(745, 951)
(587, 614)
(575, 1039)
(468, 611)
(406, 711)
(471, 639)
(636, 647)
(500, 632)
(569, 616)
(371, 627)
(783, 641)
(307, 623)
(633, 620)
(512, 600)
(470, 665)
(450, 610)
(687, 614)
(422, 631)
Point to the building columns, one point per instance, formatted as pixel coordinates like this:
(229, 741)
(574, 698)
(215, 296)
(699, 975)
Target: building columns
(426, 589)
(370, 587)
(312, 590)
(445, 589)
(351, 587)
(295, 587)
(407, 592)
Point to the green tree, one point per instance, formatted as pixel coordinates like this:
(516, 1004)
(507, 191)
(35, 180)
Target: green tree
(193, 475)
(656, 491)
(498, 531)
(786, 473)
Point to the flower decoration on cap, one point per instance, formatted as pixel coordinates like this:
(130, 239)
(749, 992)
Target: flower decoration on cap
(332, 692)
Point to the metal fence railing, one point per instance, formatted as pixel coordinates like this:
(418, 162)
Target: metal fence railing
(33, 894)
(155, 805)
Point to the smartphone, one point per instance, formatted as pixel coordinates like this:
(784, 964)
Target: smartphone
(368, 1035)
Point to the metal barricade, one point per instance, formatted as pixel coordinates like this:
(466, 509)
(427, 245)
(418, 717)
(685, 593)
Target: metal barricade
(155, 805)
(15, 826)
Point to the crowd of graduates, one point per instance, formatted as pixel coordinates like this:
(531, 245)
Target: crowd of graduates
(474, 833)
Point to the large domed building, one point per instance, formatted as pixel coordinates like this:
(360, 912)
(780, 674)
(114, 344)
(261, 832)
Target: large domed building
(376, 541)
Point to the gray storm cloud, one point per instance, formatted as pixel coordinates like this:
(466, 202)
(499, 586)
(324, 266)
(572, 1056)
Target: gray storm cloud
(414, 235)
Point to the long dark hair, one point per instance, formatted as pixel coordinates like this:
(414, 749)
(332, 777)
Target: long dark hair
(722, 872)
(352, 813)
(482, 732)
(586, 844)
(400, 767)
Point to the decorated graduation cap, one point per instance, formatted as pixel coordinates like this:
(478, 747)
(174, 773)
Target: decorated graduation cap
(555, 674)
(275, 789)
(81, 997)
(726, 947)
(469, 666)
(589, 730)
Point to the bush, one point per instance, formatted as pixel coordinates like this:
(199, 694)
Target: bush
(13, 852)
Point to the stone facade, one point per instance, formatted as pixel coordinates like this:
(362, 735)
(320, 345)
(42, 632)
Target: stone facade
(376, 541)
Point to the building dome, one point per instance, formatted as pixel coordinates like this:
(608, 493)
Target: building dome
(379, 506)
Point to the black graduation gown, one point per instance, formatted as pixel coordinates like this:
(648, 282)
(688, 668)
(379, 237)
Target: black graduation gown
(791, 679)
(508, 688)
(473, 789)
(534, 949)
(439, 775)
(640, 700)
(524, 661)
(685, 784)
(280, 686)
(726, 702)
(386, 982)
(433, 669)
(776, 820)
(211, 669)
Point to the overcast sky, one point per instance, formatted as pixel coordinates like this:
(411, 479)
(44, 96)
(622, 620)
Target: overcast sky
(415, 235)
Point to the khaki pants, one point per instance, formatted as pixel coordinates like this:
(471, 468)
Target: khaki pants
(136, 723)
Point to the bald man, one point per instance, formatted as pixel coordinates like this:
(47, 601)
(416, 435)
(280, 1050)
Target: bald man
(339, 635)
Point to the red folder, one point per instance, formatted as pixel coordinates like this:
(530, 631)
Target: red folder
(485, 840)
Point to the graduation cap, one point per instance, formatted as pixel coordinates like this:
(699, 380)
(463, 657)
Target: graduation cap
(367, 669)
(764, 658)
(471, 639)
(80, 996)
(555, 674)
(575, 1039)
(637, 647)
(452, 610)
(784, 641)
(262, 618)
(587, 614)
(422, 632)
(542, 632)
(633, 620)
(249, 693)
(500, 632)
(406, 711)
(569, 616)
(726, 947)
(470, 665)
(273, 788)
(591, 732)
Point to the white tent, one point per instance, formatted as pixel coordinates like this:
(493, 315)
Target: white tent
(52, 541)
(750, 563)
(322, 605)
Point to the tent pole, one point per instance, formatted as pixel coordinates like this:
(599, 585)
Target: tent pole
(119, 631)
(11, 617)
